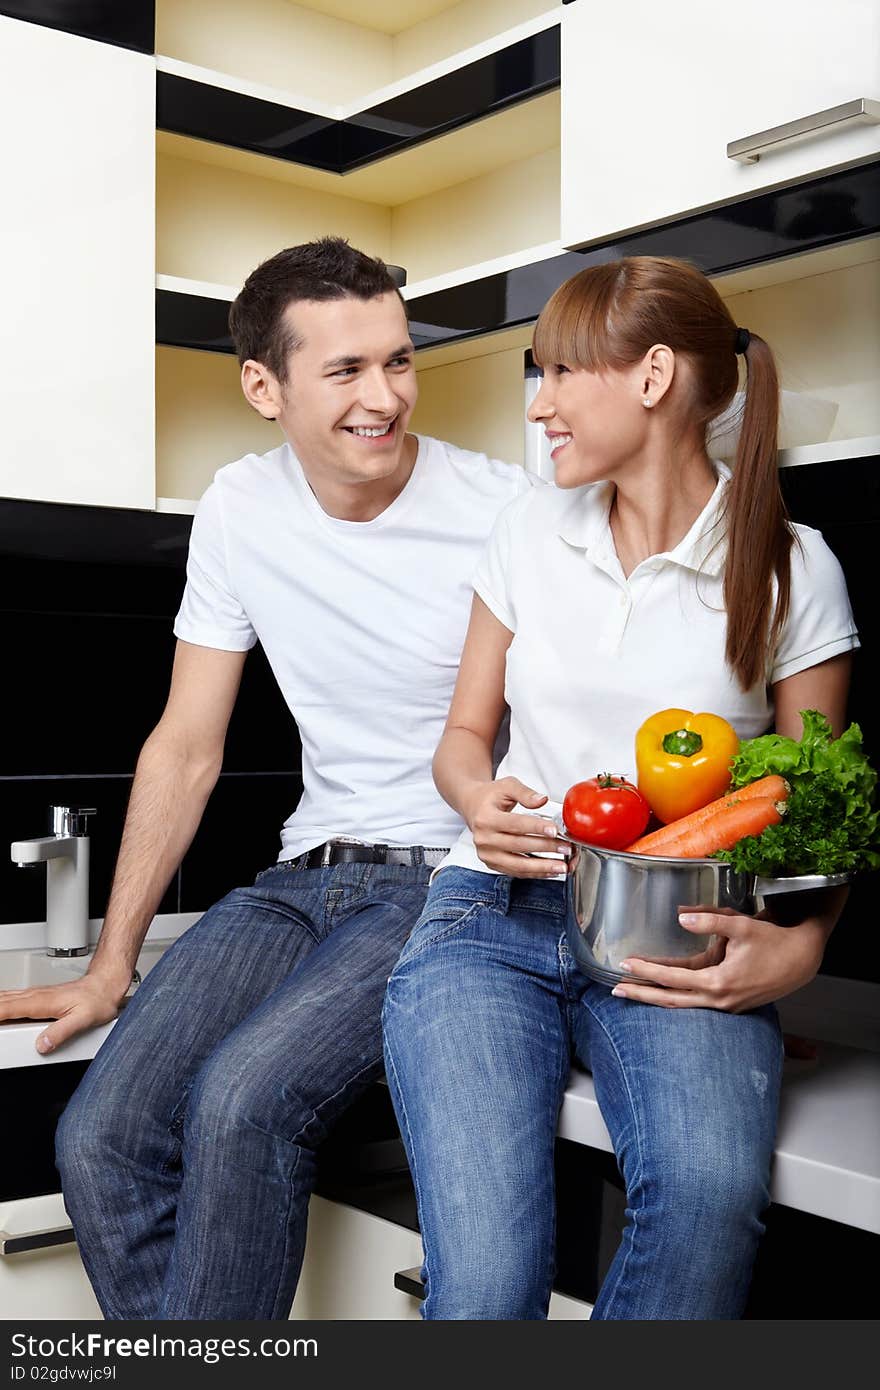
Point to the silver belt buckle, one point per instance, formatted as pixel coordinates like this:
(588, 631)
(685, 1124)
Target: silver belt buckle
(330, 845)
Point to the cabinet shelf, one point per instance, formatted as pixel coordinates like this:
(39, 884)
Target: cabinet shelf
(337, 60)
(746, 252)
(456, 201)
(209, 110)
(756, 232)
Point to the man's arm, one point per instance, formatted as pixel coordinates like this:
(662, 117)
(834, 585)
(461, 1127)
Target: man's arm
(176, 772)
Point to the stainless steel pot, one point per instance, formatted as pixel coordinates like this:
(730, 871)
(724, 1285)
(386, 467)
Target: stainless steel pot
(621, 905)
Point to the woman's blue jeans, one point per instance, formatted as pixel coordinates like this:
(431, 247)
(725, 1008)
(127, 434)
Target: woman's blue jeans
(482, 1016)
(187, 1154)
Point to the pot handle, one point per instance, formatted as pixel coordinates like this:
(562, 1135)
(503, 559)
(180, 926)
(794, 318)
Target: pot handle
(768, 887)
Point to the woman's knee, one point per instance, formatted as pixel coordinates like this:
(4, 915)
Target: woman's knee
(703, 1191)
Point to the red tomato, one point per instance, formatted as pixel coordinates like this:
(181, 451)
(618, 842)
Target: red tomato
(607, 811)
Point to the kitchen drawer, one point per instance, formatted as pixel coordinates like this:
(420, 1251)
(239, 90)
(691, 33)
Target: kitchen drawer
(49, 1281)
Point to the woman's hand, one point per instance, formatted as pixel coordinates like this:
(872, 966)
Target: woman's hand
(762, 962)
(505, 839)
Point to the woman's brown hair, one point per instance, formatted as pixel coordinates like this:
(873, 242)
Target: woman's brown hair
(609, 316)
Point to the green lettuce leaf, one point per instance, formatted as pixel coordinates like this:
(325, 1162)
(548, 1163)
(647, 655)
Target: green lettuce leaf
(831, 820)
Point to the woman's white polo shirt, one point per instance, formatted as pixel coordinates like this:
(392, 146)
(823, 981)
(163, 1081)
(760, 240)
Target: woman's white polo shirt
(595, 652)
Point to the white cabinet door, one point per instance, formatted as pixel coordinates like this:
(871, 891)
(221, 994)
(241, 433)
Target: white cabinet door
(77, 243)
(651, 97)
(350, 1262)
(48, 1283)
(349, 1267)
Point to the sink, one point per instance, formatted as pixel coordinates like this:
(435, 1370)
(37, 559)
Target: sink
(30, 969)
(24, 966)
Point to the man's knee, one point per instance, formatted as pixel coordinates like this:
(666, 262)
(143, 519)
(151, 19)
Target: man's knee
(233, 1107)
(92, 1132)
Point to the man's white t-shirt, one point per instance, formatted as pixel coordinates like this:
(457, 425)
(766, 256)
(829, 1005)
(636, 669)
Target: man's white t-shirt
(595, 652)
(362, 623)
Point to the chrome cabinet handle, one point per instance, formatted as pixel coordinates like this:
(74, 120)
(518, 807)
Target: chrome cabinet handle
(35, 1240)
(749, 150)
(410, 1281)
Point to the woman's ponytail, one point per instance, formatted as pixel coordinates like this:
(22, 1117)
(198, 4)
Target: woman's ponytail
(759, 533)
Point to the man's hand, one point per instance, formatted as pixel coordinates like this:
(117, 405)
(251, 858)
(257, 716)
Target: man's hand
(504, 838)
(762, 962)
(77, 1005)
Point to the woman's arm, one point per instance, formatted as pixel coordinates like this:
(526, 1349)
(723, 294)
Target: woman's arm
(824, 688)
(762, 962)
(463, 761)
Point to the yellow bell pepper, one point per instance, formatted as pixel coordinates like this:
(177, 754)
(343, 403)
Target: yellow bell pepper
(683, 761)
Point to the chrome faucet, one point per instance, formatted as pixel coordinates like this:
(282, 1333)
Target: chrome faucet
(66, 855)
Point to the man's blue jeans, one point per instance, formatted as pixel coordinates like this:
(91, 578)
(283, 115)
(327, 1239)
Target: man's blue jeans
(482, 1016)
(187, 1154)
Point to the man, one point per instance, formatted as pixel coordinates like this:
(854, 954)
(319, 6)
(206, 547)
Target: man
(188, 1153)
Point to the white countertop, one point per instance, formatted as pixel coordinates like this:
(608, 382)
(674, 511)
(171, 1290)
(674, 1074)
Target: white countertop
(828, 1147)
(17, 1040)
(828, 1150)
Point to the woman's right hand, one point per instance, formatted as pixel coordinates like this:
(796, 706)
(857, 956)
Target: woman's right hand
(506, 839)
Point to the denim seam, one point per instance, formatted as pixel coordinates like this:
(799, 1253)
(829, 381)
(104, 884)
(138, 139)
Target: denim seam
(291, 915)
(554, 1243)
(294, 1141)
(403, 1114)
(639, 1175)
(546, 911)
(442, 936)
(565, 965)
(285, 1257)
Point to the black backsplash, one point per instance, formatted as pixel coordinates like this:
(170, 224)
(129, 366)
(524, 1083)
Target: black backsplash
(842, 500)
(88, 598)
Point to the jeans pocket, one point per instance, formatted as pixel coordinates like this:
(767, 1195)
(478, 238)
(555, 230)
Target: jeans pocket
(441, 921)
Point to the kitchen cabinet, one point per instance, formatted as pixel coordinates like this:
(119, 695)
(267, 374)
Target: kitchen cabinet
(44, 1283)
(350, 1263)
(651, 102)
(333, 55)
(434, 209)
(443, 210)
(78, 251)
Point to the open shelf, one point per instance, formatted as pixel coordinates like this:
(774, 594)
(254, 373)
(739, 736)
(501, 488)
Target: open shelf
(202, 421)
(332, 58)
(485, 191)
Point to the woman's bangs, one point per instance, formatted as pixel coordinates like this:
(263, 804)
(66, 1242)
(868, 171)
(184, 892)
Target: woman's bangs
(571, 330)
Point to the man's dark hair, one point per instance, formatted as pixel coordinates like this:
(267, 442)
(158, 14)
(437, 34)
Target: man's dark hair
(316, 270)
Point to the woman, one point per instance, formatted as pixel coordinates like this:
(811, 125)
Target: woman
(651, 577)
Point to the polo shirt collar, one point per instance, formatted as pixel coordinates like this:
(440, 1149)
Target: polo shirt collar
(585, 525)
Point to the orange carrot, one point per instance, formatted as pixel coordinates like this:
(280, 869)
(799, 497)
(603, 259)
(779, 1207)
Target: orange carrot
(773, 788)
(726, 828)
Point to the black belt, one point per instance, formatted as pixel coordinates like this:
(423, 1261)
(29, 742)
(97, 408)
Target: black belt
(334, 852)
